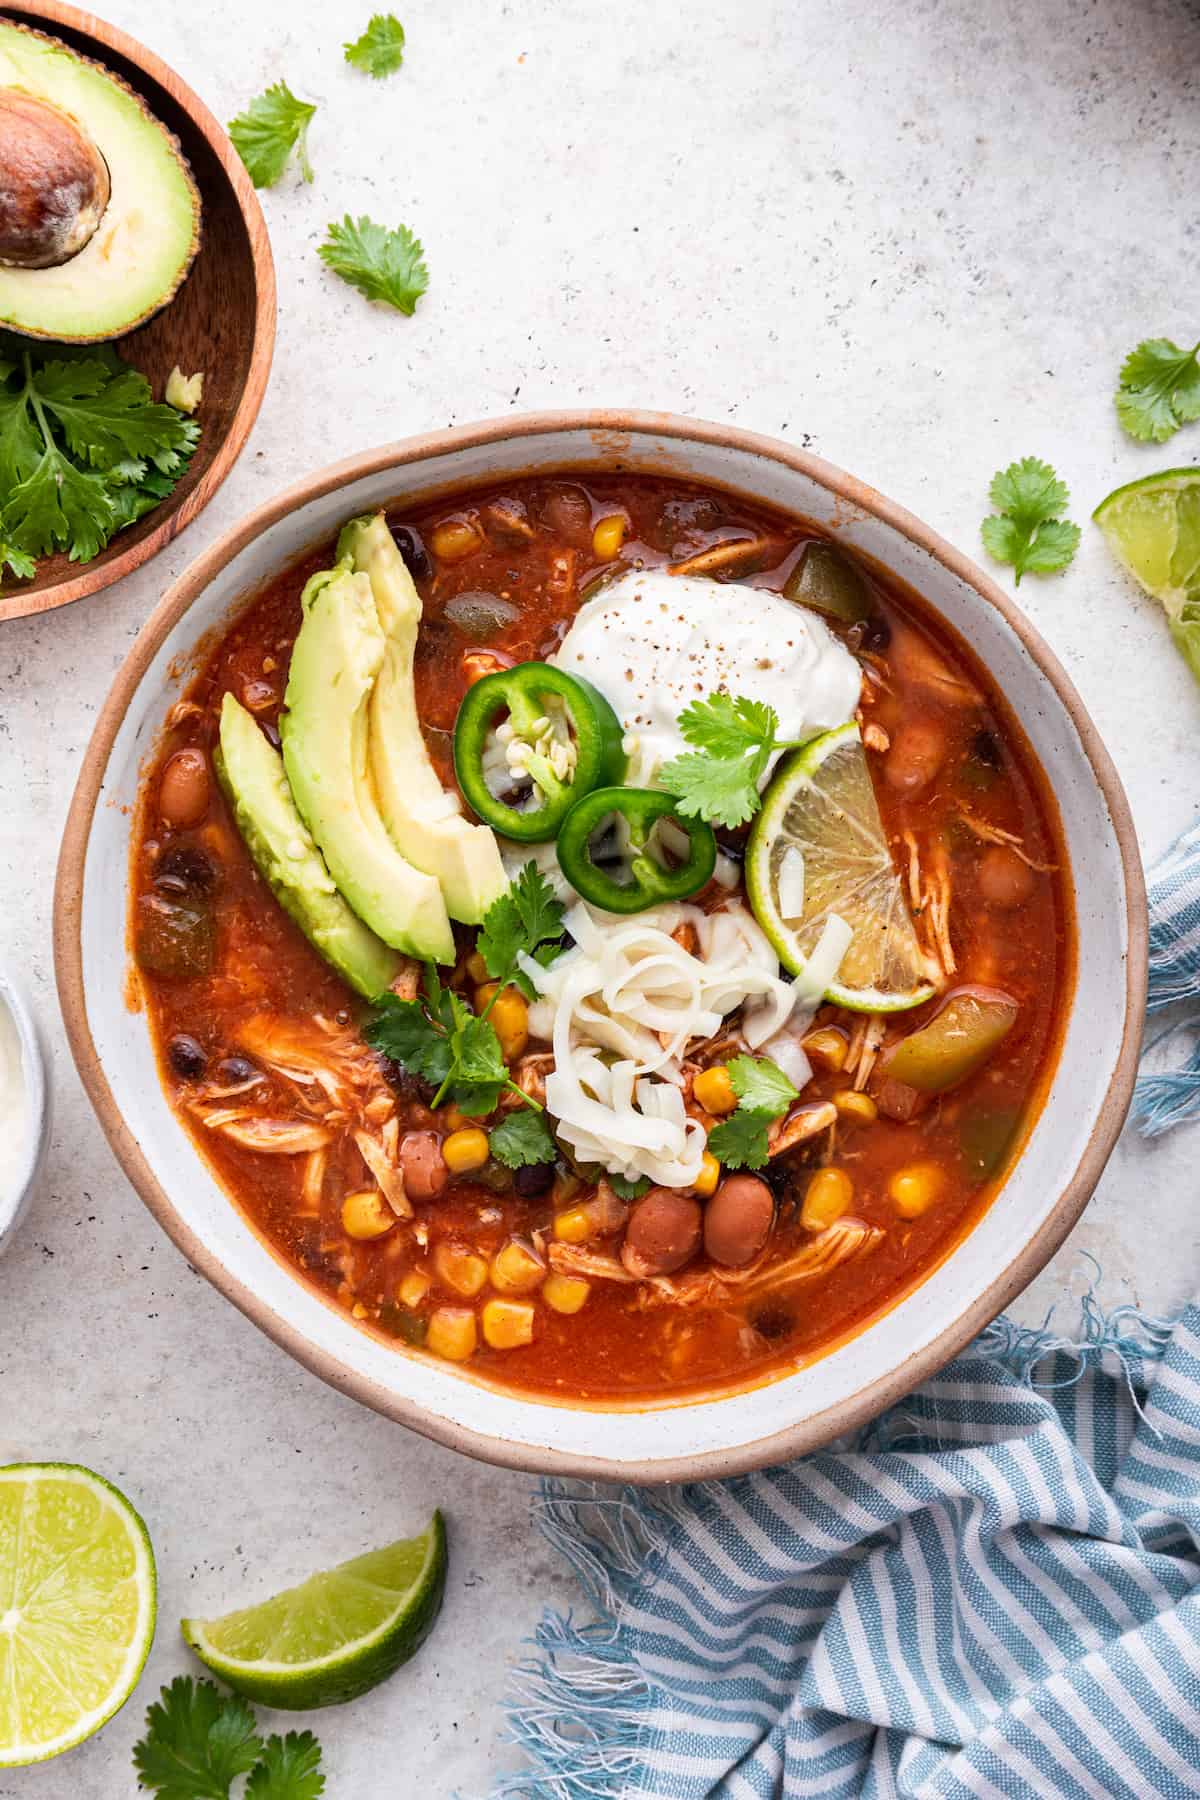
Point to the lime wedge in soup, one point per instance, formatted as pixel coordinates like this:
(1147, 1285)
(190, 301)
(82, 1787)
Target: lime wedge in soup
(817, 853)
(77, 1607)
(335, 1636)
(1153, 529)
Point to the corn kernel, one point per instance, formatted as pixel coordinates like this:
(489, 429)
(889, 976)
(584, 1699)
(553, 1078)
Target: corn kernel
(477, 969)
(510, 1022)
(826, 1048)
(465, 1150)
(460, 1268)
(609, 535)
(452, 1333)
(453, 539)
(517, 1268)
(485, 993)
(574, 1226)
(826, 1198)
(565, 1293)
(455, 1120)
(914, 1189)
(853, 1105)
(714, 1090)
(366, 1215)
(710, 1173)
(413, 1288)
(508, 1323)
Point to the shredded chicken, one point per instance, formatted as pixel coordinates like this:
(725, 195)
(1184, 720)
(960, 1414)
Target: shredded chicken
(738, 554)
(802, 1123)
(386, 1173)
(181, 712)
(577, 1259)
(995, 834)
(272, 1137)
(406, 983)
(866, 1036)
(875, 737)
(712, 1286)
(929, 894)
(313, 1185)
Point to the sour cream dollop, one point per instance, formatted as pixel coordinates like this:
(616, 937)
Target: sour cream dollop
(653, 642)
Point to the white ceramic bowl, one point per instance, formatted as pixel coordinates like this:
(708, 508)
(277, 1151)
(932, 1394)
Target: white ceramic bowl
(33, 1111)
(1045, 1191)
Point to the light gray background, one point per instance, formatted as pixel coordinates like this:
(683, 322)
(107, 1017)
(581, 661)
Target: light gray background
(917, 237)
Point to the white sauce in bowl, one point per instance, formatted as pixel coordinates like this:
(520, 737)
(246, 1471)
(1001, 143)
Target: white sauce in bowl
(653, 642)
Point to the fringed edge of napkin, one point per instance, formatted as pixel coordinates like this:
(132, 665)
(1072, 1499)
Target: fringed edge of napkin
(581, 1709)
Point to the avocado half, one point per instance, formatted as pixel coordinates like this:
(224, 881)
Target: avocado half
(99, 214)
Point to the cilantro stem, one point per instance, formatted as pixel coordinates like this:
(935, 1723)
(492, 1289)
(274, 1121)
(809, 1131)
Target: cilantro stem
(31, 394)
(527, 1098)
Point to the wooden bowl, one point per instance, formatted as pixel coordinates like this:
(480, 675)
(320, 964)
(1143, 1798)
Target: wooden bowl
(222, 320)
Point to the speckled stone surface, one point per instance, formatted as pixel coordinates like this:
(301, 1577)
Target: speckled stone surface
(914, 235)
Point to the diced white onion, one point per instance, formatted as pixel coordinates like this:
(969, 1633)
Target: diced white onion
(785, 1052)
(791, 883)
(726, 872)
(821, 968)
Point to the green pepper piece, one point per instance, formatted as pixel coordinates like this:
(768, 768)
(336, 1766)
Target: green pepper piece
(829, 582)
(525, 693)
(957, 1040)
(650, 882)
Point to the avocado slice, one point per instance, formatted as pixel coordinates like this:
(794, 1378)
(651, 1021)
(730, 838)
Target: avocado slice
(251, 773)
(336, 660)
(99, 214)
(422, 817)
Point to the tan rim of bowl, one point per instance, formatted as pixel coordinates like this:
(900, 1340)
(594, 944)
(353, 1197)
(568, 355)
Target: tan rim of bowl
(610, 431)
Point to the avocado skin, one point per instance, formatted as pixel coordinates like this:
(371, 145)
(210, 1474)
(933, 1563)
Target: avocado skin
(252, 778)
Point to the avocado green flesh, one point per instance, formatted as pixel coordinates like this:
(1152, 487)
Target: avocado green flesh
(336, 661)
(149, 233)
(252, 775)
(422, 818)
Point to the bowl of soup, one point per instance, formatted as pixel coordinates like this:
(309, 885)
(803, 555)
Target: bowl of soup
(605, 937)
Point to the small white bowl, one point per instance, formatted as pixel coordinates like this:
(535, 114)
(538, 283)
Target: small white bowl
(17, 1188)
(666, 1440)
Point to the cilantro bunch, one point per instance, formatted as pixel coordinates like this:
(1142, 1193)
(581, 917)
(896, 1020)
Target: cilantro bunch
(734, 738)
(764, 1093)
(85, 450)
(198, 1741)
(440, 1039)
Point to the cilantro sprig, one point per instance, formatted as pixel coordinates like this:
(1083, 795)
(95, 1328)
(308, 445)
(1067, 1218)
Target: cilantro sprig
(380, 49)
(439, 1038)
(273, 125)
(198, 1741)
(1027, 529)
(383, 265)
(522, 1140)
(1159, 390)
(764, 1093)
(734, 740)
(85, 449)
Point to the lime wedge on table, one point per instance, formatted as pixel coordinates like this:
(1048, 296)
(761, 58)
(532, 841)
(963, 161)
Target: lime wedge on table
(337, 1634)
(77, 1603)
(1153, 529)
(821, 803)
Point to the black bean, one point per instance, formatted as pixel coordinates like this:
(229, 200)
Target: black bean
(271, 733)
(186, 1057)
(237, 1069)
(534, 1180)
(873, 634)
(412, 549)
(183, 869)
(986, 749)
(773, 1321)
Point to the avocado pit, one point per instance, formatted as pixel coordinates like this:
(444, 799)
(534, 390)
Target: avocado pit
(54, 183)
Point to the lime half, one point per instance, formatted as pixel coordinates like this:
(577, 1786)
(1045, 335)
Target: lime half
(77, 1604)
(818, 850)
(337, 1634)
(1153, 529)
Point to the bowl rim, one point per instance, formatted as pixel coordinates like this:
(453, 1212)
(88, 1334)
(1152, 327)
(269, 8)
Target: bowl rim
(36, 1083)
(47, 15)
(612, 426)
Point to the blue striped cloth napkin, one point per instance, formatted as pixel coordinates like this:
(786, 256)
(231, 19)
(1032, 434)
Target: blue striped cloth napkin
(993, 1594)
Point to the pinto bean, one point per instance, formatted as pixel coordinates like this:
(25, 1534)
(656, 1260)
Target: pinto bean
(424, 1166)
(1004, 880)
(663, 1233)
(917, 753)
(738, 1220)
(183, 791)
(568, 513)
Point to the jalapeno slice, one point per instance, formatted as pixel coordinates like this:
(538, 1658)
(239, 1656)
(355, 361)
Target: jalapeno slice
(560, 735)
(649, 879)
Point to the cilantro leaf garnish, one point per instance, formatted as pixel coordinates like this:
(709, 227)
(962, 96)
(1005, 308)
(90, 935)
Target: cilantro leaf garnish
(1159, 390)
(1026, 529)
(521, 1139)
(290, 1769)
(764, 1095)
(84, 450)
(404, 1031)
(380, 49)
(735, 739)
(384, 265)
(273, 125)
(626, 1189)
(528, 920)
(198, 1741)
